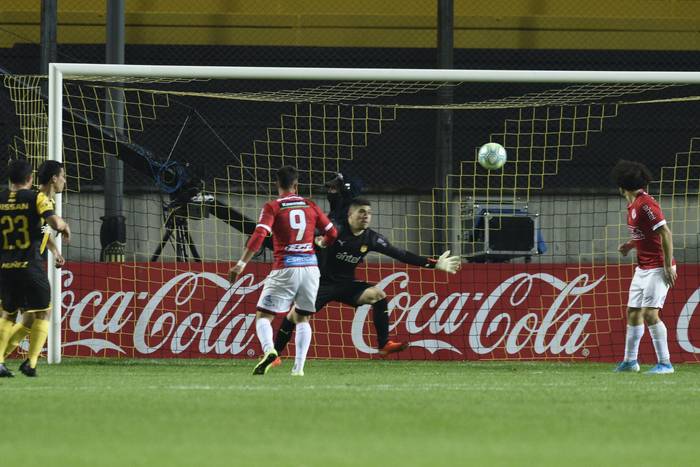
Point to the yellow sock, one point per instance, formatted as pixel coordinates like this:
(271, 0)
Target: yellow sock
(19, 332)
(5, 333)
(37, 339)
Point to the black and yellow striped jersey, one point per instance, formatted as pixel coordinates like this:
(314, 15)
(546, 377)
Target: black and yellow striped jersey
(23, 230)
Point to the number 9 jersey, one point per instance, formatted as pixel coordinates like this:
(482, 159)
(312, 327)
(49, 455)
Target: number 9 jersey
(293, 220)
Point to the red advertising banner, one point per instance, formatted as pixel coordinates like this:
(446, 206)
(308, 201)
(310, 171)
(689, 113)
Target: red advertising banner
(486, 311)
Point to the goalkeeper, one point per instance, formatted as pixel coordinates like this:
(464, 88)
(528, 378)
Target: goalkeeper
(338, 264)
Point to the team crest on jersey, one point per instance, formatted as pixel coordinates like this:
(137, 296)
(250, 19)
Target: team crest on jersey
(363, 249)
(634, 214)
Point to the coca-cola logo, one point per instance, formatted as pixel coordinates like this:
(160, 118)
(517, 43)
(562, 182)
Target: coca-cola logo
(222, 330)
(559, 330)
(201, 313)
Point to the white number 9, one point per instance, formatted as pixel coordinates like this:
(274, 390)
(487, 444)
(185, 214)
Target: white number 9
(297, 221)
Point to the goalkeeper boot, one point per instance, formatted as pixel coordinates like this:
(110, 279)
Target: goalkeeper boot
(27, 369)
(661, 369)
(393, 347)
(627, 366)
(4, 372)
(266, 363)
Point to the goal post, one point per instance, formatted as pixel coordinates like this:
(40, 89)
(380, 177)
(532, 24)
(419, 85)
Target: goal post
(542, 134)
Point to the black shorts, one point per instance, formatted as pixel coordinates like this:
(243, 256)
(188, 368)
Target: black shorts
(26, 289)
(343, 292)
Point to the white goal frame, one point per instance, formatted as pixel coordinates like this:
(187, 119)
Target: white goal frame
(57, 71)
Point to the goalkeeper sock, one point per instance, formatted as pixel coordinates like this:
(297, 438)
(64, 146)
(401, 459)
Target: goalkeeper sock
(284, 334)
(302, 342)
(37, 339)
(659, 338)
(380, 317)
(263, 328)
(19, 332)
(634, 337)
(5, 333)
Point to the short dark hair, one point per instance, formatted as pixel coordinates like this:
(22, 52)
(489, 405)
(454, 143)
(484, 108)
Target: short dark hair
(47, 170)
(631, 175)
(357, 202)
(287, 176)
(19, 171)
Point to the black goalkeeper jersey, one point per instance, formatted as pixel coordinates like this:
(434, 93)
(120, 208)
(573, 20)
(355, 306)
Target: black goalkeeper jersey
(22, 238)
(338, 261)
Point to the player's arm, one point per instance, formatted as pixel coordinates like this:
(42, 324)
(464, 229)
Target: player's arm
(262, 230)
(323, 224)
(626, 247)
(667, 247)
(44, 207)
(51, 245)
(445, 262)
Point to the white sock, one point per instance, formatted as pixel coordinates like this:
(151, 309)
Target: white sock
(263, 328)
(302, 341)
(660, 340)
(634, 337)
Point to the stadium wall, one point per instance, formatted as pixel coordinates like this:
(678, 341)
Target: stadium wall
(517, 24)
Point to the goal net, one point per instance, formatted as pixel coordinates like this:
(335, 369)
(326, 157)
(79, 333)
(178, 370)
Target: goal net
(197, 150)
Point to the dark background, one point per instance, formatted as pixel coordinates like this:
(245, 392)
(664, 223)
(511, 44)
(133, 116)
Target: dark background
(406, 147)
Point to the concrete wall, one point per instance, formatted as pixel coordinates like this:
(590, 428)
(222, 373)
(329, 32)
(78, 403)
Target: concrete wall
(528, 24)
(576, 228)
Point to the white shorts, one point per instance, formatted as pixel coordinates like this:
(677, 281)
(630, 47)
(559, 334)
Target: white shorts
(648, 288)
(284, 287)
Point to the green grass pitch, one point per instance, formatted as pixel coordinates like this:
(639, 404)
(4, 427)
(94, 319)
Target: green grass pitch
(348, 413)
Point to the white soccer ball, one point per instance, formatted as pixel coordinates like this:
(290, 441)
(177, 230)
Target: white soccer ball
(492, 156)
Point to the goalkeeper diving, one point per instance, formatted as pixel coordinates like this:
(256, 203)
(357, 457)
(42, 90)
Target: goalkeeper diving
(339, 261)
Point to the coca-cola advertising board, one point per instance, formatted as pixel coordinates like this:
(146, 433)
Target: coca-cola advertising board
(485, 311)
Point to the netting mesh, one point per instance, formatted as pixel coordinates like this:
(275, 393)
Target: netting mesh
(541, 276)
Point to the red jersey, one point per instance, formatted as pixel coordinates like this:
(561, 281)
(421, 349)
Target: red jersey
(292, 221)
(644, 216)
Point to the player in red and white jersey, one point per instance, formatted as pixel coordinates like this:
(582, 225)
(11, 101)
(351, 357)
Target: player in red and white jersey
(292, 221)
(656, 269)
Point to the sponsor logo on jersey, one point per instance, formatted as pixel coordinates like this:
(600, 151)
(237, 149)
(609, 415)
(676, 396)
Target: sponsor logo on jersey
(300, 260)
(636, 233)
(299, 247)
(293, 204)
(649, 212)
(363, 249)
(344, 256)
(13, 206)
(15, 265)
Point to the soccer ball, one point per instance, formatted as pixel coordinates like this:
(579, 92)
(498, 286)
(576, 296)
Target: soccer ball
(492, 156)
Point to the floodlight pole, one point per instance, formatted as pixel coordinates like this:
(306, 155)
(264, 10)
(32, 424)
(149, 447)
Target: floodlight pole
(445, 123)
(113, 229)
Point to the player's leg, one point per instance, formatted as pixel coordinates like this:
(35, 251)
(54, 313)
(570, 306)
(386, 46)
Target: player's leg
(324, 295)
(19, 332)
(635, 331)
(635, 324)
(37, 297)
(302, 340)
(654, 298)
(7, 322)
(37, 321)
(10, 294)
(380, 317)
(305, 306)
(276, 297)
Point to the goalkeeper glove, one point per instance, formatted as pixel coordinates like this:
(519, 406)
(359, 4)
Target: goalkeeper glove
(447, 263)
